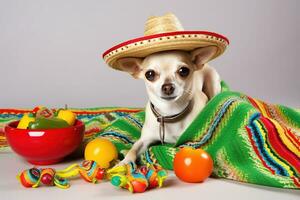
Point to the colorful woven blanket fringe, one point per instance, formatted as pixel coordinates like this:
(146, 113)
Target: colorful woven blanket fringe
(249, 140)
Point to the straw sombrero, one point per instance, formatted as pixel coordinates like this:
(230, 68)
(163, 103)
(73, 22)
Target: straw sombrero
(161, 34)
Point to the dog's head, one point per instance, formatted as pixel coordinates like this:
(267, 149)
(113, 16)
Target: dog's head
(168, 75)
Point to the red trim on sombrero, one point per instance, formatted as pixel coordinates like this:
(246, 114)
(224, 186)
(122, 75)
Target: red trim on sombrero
(162, 35)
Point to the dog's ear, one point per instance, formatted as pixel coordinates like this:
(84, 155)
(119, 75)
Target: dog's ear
(130, 65)
(202, 55)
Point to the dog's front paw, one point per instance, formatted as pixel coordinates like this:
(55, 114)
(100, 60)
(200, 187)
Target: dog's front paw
(130, 157)
(125, 161)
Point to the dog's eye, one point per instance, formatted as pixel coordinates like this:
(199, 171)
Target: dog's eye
(150, 75)
(184, 71)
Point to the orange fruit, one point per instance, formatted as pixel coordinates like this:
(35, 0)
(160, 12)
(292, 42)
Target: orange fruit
(192, 165)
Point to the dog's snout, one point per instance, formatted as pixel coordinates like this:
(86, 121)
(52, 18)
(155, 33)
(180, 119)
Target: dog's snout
(168, 88)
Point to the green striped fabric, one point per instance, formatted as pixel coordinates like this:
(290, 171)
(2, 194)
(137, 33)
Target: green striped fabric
(249, 140)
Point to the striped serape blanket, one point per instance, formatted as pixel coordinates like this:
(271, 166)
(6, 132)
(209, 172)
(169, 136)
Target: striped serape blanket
(249, 140)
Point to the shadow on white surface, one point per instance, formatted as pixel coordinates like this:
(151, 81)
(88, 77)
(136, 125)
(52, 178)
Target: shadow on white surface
(212, 188)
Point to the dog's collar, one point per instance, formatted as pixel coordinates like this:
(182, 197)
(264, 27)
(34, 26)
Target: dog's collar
(169, 119)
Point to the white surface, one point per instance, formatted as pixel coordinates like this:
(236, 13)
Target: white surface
(10, 189)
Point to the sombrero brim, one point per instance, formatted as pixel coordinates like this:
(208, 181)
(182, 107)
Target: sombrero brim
(179, 40)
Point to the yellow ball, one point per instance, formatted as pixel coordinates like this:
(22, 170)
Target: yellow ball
(102, 151)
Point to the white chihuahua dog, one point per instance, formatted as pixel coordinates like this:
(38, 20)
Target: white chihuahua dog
(179, 84)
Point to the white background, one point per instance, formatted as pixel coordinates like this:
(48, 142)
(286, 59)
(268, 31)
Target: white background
(50, 51)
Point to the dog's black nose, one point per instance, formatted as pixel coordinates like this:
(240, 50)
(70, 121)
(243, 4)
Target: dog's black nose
(168, 88)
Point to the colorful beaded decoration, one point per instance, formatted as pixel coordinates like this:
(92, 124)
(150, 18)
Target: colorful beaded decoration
(128, 176)
(33, 177)
(89, 170)
(137, 180)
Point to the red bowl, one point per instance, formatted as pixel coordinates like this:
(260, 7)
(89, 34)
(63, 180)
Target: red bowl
(44, 147)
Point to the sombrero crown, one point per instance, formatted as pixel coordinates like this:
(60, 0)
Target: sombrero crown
(161, 34)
